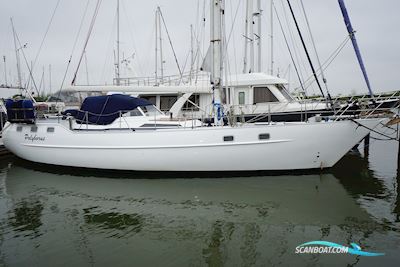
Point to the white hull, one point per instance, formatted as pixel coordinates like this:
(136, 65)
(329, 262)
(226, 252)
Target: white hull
(292, 146)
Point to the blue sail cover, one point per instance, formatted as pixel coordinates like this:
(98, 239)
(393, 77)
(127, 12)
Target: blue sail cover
(20, 111)
(355, 44)
(103, 110)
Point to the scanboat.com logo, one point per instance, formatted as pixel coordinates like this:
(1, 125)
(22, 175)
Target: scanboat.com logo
(324, 247)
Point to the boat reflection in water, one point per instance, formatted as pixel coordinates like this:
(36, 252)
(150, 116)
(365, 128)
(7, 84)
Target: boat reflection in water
(51, 219)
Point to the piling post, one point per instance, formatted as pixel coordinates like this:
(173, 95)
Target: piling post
(366, 145)
(397, 204)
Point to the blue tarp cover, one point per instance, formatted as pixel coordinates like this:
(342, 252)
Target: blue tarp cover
(103, 110)
(20, 111)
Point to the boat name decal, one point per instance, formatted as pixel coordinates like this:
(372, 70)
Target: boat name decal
(34, 138)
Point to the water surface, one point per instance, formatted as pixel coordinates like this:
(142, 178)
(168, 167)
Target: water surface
(52, 216)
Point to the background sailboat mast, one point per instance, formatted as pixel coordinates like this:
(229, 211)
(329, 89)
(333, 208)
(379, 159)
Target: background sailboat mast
(272, 38)
(246, 38)
(259, 33)
(156, 47)
(161, 45)
(17, 55)
(118, 65)
(251, 34)
(5, 71)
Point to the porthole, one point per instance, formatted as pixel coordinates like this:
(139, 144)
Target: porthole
(50, 129)
(19, 128)
(34, 129)
(265, 136)
(228, 138)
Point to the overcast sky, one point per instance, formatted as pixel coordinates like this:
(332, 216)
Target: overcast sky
(376, 22)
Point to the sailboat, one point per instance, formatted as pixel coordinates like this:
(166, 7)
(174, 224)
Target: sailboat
(103, 136)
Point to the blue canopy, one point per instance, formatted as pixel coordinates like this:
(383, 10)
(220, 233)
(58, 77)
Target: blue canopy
(104, 110)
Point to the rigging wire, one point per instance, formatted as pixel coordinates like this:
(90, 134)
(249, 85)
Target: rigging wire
(73, 50)
(170, 42)
(87, 39)
(27, 64)
(306, 50)
(329, 60)
(234, 43)
(45, 35)
(110, 43)
(200, 41)
(288, 47)
(43, 40)
(301, 64)
(315, 49)
(131, 32)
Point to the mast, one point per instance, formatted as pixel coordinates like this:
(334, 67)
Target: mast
(5, 70)
(17, 55)
(156, 50)
(217, 11)
(191, 53)
(355, 44)
(44, 81)
(259, 33)
(161, 45)
(50, 79)
(118, 64)
(246, 38)
(87, 69)
(272, 38)
(251, 34)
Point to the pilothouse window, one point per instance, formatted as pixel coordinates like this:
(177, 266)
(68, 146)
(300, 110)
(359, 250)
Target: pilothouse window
(263, 95)
(284, 92)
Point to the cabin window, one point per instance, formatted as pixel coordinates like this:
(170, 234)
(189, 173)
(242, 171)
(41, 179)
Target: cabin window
(151, 98)
(166, 102)
(265, 136)
(136, 112)
(19, 128)
(228, 138)
(195, 98)
(284, 92)
(34, 129)
(242, 96)
(50, 129)
(263, 95)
